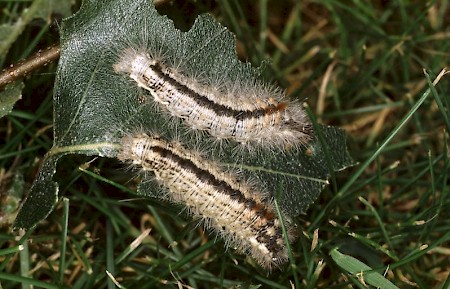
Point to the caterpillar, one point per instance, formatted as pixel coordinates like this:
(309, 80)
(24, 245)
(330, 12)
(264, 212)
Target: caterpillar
(252, 114)
(243, 215)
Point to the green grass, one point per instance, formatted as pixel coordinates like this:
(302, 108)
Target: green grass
(361, 67)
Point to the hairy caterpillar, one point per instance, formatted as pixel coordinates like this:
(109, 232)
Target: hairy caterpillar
(242, 215)
(251, 113)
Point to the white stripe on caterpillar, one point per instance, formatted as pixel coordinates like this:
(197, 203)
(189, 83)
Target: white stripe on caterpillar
(251, 113)
(245, 218)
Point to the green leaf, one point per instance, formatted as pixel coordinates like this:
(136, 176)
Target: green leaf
(12, 187)
(9, 96)
(358, 269)
(49, 7)
(94, 107)
(38, 9)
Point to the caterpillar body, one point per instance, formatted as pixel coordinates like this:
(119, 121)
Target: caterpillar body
(243, 215)
(252, 114)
